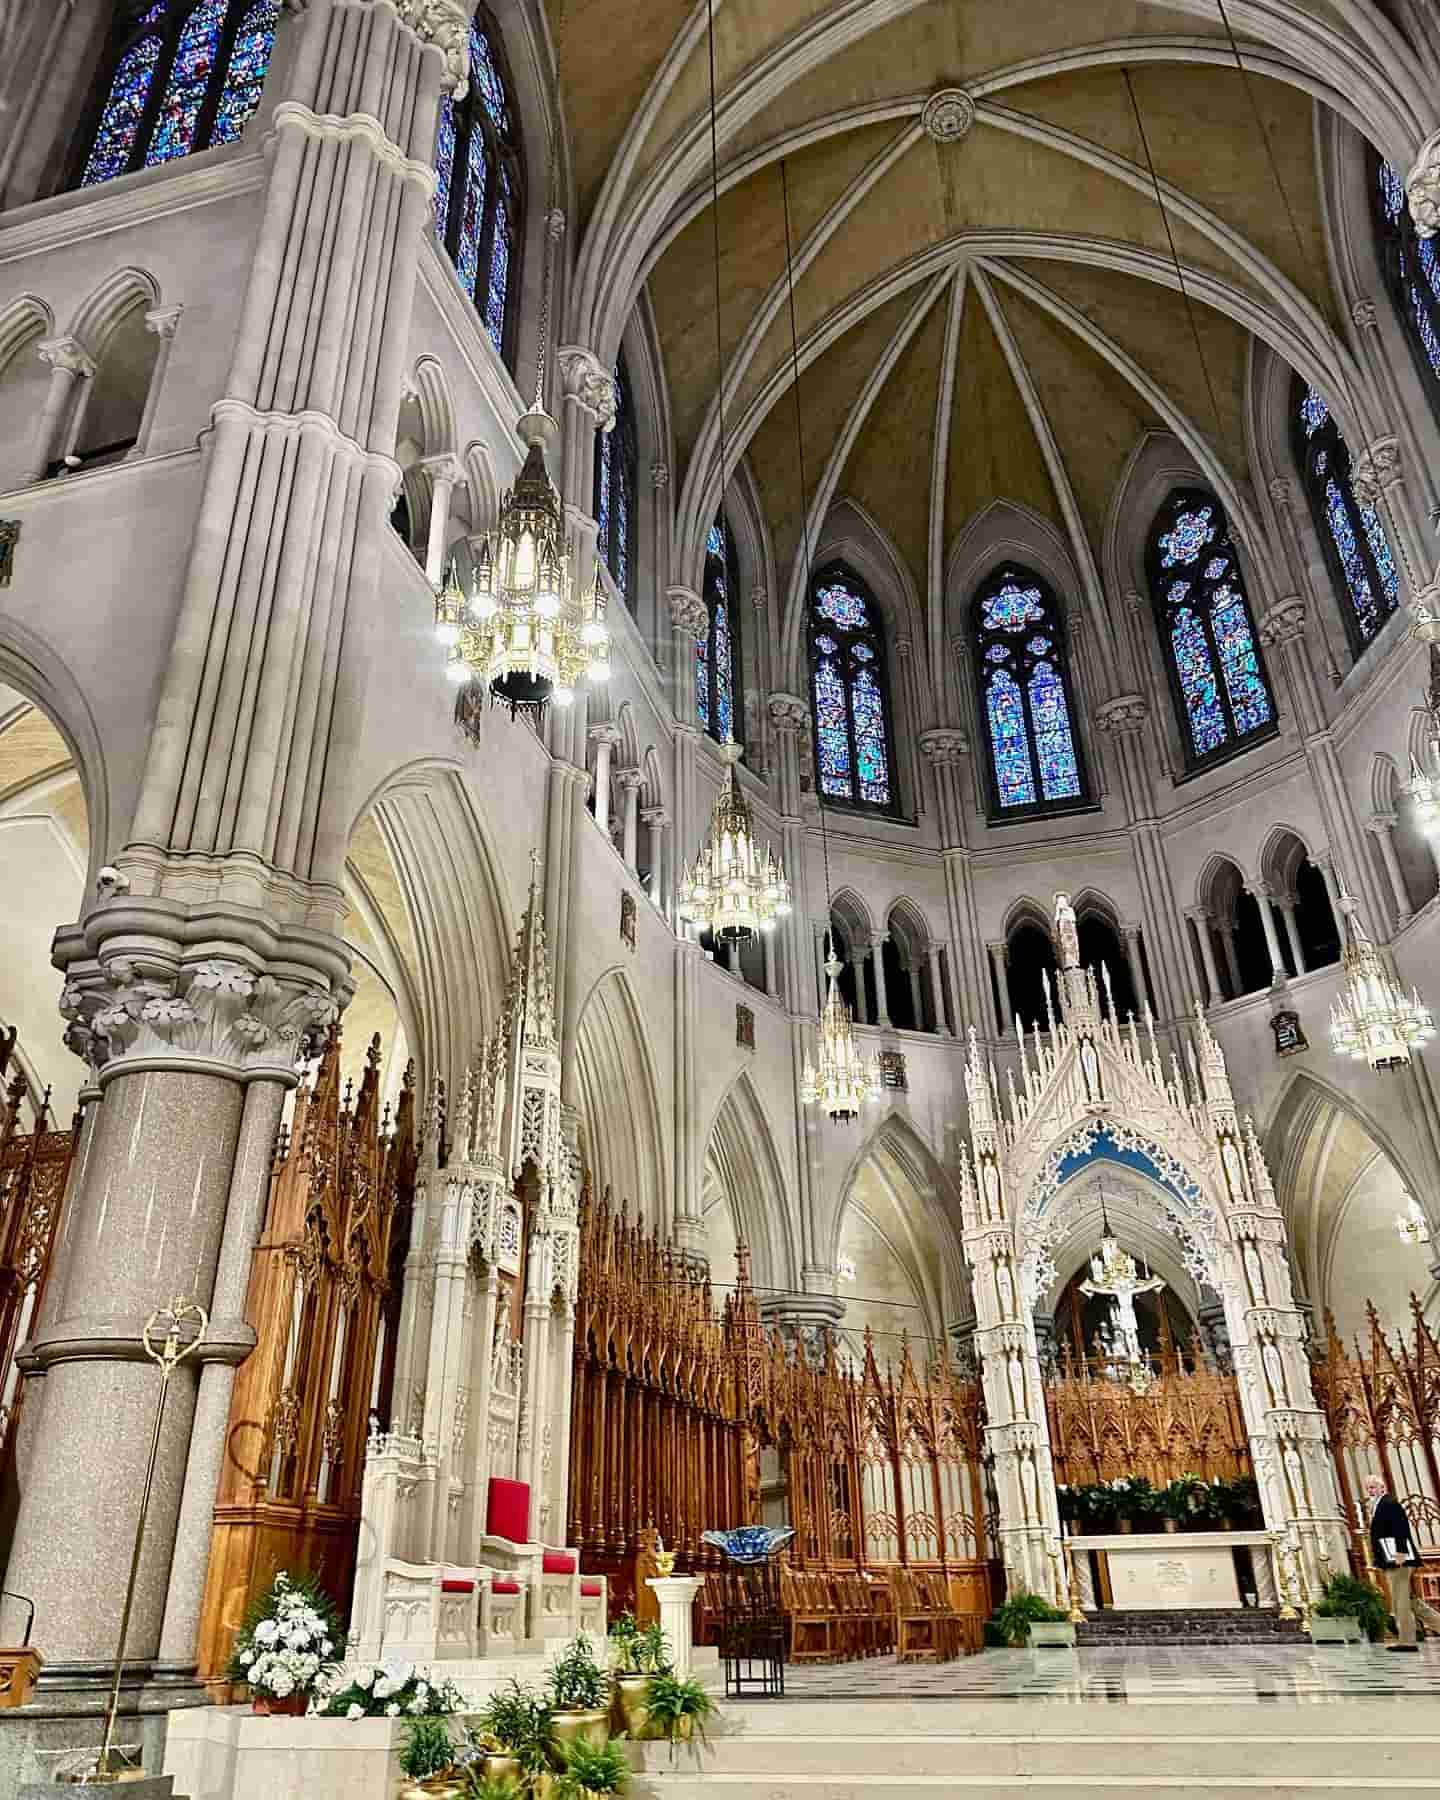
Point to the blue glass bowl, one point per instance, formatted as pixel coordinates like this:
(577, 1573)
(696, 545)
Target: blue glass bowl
(750, 1543)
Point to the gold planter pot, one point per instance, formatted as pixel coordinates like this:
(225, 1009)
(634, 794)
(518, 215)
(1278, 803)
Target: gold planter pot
(432, 1787)
(632, 1695)
(590, 1727)
(503, 1768)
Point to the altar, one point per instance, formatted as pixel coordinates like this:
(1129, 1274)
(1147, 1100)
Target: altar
(1173, 1571)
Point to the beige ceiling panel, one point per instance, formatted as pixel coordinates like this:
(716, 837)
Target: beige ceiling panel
(371, 861)
(29, 748)
(993, 454)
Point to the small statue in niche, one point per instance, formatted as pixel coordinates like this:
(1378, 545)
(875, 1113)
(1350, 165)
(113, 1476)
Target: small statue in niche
(1067, 933)
(500, 1343)
(744, 1027)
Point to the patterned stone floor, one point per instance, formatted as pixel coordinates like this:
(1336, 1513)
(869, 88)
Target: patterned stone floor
(1241, 1672)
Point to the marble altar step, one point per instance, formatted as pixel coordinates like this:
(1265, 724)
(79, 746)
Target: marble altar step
(1215, 1625)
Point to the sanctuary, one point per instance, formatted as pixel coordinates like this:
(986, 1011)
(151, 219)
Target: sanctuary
(719, 878)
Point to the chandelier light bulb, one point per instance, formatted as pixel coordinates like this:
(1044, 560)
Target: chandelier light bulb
(734, 889)
(1374, 1020)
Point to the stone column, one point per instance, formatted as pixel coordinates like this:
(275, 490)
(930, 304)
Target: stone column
(856, 960)
(1377, 476)
(917, 994)
(767, 950)
(1292, 934)
(70, 362)
(1232, 963)
(676, 1596)
(946, 748)
(604, 737)
(1000, 962)
(630, 782)
(1261, 894)
(689, 622)
(1199, 917)
(161, 322)
(657, 819)
(1382, 828)
(444, 473)
(937, 989)
(1324, 861)
(1130, 940)
(882, 1000)
(822, 980)
(732, 956)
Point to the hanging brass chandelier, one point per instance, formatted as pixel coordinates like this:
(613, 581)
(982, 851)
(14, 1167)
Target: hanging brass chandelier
(844, 1080)
(733, 888)
(524, 634)
(1374, 1020)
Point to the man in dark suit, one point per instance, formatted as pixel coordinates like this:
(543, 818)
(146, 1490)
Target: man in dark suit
(1393, 1547)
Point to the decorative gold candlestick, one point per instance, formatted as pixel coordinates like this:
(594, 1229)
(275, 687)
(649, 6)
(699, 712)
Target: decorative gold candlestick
(1077, 1612)
(173, 1320)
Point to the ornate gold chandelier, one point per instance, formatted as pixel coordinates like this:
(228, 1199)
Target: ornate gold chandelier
(1373, 1020)
(844, 1081)
(733, 889)
(524, 634)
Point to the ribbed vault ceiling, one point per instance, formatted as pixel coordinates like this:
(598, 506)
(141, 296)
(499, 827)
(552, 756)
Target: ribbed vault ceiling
(995, 318)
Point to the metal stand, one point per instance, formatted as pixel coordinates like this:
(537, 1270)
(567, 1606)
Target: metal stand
(752, 1636)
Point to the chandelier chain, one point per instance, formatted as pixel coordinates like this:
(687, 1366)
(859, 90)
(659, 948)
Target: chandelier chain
(715, 234)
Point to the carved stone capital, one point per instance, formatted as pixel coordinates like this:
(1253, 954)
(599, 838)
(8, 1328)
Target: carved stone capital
(759, 598)
(604, 733)
(1374, 469)
(1284, 621)
(659, 475)
(1425, 614)
(688, 612)
(555, 224)
(1282, 492)
(1125, 714)
(66, 353)
(1381, 822)
(161, 321)
(655, 816)
(1422, 188)
(788, 712)
(1365, 315)
(631, 780)
(945, 745)
(443, 468)
(446, 24)
(590, 384)
(947, 115)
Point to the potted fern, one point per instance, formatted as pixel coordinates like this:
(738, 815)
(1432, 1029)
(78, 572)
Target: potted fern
(514, 1730)
(426, 1758)
(1348, 1611)
(1025, 1618)
(641, 1653)
(591, 1772)
(578, 1695)
(678, 1708)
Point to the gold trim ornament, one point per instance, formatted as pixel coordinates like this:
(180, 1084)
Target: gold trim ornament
(524, 634)
(844, 1081)
(1373, 1020)
(733, 888)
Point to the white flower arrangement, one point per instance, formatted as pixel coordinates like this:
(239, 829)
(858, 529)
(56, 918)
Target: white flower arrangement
(285, 1649)
(389, 1691)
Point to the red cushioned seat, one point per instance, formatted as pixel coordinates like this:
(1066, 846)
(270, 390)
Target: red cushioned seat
(457, 1587)
(507, 1510)
(500, 1586)
(556, 1562)
(591, 1590)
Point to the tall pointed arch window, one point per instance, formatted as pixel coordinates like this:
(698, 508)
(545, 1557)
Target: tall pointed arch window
(1412, 274)
(1025, 700)
(718, 703)
(480, 186)
(849, 692)
(1357, 550)
(615, 488)
(1221, 692)
(183, 75)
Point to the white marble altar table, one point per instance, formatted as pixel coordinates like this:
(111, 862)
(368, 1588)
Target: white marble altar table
(1181, 1571)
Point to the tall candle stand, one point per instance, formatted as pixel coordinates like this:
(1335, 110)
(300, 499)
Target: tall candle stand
(1077, 1612)
(171, 1334)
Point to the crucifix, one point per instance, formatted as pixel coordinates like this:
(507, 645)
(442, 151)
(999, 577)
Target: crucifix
(1115, 1276)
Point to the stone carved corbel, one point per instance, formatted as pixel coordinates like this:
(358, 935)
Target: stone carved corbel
(1123, 715)
(788, 713)
(1284, 620)
(1374, 469)
(945, 744)
(688, 612)
(1422, 188)
(590, 383)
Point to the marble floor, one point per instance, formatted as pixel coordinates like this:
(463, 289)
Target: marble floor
(1242, 1672)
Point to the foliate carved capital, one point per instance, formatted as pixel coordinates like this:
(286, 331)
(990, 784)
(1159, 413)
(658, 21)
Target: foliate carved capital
(446, 24)
(590, 384)
(1284, 622)
(688, 612)
(1374, 469)
(1365, 315)
(631, 780)
(66, 353)
(1282, 492)
(1125, 714)
(655, 816)
(945, 745)
(604, 733)
(1422, 188)
(161, 321)
(788, 712)
(215, 1011)
(947, 115)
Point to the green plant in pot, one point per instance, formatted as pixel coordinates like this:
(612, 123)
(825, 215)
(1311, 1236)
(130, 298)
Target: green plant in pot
(579, 1695)
(1347, 1598)
(477, 1785)
(679, 1707)
(591, 1772)
(516, 1720)
(1014, 1616)
(426, 1757)
(648, 1653)
(1176, 1501)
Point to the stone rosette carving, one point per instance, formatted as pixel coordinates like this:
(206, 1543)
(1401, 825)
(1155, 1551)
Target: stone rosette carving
(945, 744)
(213, 1011)
(688, 612)
(1285, 620)
(1422, 188)
(1124, 714)
(947, 115)
(1373, 470)
(589, 382)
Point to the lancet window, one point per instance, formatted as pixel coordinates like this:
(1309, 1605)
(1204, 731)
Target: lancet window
(717, 654)
(849, 692)
(185, 75)
(615, 488)
(1357, 550)
(1221, 692)
(480, 186)
(1025, 697)
(1412, 273)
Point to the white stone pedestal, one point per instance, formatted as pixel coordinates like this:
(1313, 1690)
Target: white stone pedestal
(676, 1594)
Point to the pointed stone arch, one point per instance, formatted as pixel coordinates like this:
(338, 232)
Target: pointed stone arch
(106, 305)
(741, 1162)
(622, 1136)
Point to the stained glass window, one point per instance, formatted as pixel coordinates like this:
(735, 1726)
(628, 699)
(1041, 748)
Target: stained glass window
(1412, 273)
(849, 693)
(717, 654)
(1222, 695)
(1356, 548)
(615, 488)
(185, 76)
(479, 186)
(1024, 693)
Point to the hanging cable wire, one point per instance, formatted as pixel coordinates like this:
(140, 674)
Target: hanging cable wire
(1305, 257)
(715, 233)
